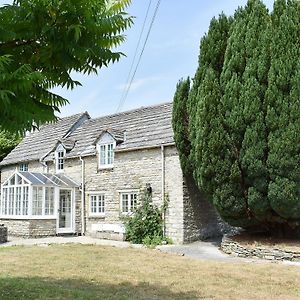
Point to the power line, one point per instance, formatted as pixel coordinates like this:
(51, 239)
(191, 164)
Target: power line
(126, 91)
(135, 52)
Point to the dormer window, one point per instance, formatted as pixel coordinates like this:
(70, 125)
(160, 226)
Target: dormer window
(106, 155)
(105, 148)
(60, 158)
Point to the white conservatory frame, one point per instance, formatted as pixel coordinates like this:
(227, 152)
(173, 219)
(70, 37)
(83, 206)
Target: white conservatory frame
(19, 189)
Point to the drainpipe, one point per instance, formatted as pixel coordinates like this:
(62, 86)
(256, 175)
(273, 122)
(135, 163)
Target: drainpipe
(82, 197)
(163, 186)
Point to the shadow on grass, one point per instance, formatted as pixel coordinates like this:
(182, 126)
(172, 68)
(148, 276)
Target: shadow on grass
(48, 288)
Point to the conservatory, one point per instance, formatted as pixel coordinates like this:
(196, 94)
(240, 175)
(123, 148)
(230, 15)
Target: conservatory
(42, 204)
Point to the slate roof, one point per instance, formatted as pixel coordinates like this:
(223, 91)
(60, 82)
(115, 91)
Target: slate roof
(143, 127)
(39, 142)
(138, 128)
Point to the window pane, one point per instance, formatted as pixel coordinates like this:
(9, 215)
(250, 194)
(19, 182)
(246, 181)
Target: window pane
(102, 155)
(124, 202)
(93, 204)
(4, 201)
(49, 201)
(18, 200)
(23, 167)
(110, 154)
(12, 181)
(25, 201)
(11, 198)
(101, 204)
(60, 160)
(37, 201)
(19, 179)
(133, 198)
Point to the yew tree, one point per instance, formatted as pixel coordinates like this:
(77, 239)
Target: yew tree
(244, 117)
(42, 42)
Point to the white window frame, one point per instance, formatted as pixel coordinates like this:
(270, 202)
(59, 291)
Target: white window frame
(23, 167)
(17, 198)
(107, 164)
(130, 206)
(60, 154)
(97, 213)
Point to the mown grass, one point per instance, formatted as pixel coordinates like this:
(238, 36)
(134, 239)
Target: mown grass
(95, 272)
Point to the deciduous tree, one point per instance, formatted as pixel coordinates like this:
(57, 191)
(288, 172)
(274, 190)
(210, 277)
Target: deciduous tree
(42, 42)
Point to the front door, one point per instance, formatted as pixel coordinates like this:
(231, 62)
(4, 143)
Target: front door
(65, 212)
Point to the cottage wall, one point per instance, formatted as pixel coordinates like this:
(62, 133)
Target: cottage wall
(186, 219)
(132, 171)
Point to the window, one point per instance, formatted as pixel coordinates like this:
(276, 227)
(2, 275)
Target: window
(97, 204)
(37, 201)
(16, 195)
(128, 202)
(14, 198)
(23, 167)
(49, 201)
(60, 158)
(25, 200)
(106, 155)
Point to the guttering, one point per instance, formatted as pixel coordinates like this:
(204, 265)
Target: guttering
(126, 150)
(163, 185)
(82, 197)
(144, 148)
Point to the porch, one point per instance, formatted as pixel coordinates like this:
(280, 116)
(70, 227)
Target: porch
(38, 204)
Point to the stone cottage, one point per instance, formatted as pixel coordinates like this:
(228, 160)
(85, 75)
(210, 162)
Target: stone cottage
(82, 176)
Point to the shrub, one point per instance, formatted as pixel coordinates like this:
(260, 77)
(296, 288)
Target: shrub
(145, 225)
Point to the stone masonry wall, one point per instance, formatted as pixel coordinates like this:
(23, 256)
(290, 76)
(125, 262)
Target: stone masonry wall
(78, 211)
(232, 247)
(30, 228)
(40, 228)
(131, 172)
(3, 234)
(174, 193)
(201, 220)
(17, 227)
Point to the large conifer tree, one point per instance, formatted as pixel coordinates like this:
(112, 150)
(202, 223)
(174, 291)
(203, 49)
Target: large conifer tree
(283, 98)
(180, 122)
(244, 116)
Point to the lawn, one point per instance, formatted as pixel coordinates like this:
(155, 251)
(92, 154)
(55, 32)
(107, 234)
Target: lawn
(96, 272)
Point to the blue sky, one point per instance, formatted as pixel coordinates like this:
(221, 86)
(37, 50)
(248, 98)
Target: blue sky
(171, 53)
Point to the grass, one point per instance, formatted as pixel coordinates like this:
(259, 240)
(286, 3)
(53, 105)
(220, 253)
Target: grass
(95, 272)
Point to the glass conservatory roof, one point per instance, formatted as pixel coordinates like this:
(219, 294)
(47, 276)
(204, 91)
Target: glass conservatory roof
(33, 178)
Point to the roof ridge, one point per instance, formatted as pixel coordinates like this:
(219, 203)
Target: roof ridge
(133, 110)
(80, 113)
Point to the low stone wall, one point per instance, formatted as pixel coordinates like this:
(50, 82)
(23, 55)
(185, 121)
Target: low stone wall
(30, 228)
(3, 234)
(230, 246)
